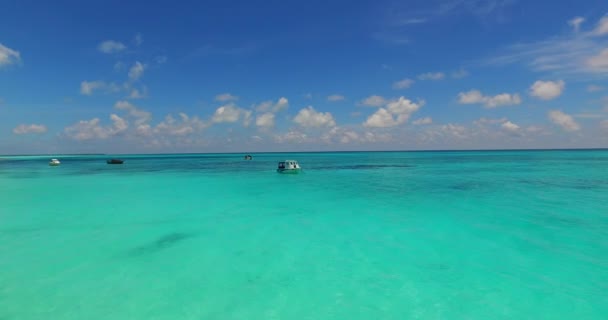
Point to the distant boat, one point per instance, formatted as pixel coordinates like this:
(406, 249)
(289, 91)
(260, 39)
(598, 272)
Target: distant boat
(54, 163)
(248, 157)
(289, 166)
(115, 161)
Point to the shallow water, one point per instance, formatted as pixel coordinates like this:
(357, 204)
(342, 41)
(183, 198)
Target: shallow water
(395, 235)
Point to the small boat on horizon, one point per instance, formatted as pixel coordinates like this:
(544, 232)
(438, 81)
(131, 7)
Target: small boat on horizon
(115, 161)
(54, 163)
(289, 166)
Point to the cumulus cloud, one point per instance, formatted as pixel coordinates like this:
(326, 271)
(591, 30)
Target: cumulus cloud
(291, 136)
(599, 62)
(335, 97)
(455, 130)
(270, 106)
(576, 22)
(432, 76)
(111, 46)
(29, 128)
(381, 119)
(8, 56)
(225, 97)
(373, 101)
(230, 113)
(137, 70)
(602, 27)
(182, 126)
(547, 90)
(351, 135)
(92, 129)
(565, 121)
(403, 84)
(138, 94)
(87, 87)
(141, 116)
(510, 126)
(395, 112)
(421, 121)
(309, 117)
(476, 97)
(265, 120)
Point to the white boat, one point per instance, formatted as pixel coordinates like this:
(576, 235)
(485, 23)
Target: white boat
(289, 166)
(54, 162)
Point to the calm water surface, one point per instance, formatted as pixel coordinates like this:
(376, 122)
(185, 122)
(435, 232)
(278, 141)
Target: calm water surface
(395, 235)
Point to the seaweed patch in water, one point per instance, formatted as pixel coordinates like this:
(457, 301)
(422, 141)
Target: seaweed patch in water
(161, 243)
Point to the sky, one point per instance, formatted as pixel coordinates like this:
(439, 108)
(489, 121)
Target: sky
(246, 76)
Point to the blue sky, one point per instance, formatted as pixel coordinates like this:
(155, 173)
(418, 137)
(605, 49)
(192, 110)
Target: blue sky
(216, 76)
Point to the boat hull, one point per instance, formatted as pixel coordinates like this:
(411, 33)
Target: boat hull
(289, 171)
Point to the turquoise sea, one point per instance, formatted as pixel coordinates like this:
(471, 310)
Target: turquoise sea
(382, 235)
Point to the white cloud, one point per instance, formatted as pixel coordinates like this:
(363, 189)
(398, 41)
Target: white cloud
(87, 87)
(598, 63)
(510, 126)
(138, 94)
(454, 130)
(269, 106)
(183, 126)
(138, 39)
(576, 22)
(141, 116)
(601, 27)
(573, 54)
(119, 124)
(503, 99)
(29, 128)
(136, 71)
(381, 119)
(309, 117)
(307, 96)
(432, 76)
(462, 73)
(421, 121)
(265, 120)
(111, 46)
(291, 136)
(403, 84)
(471, 97)
(547, 90)
(374, 101)
(484, 121)
(563, 120)
(395, 112)
(351, 135)
(225, 97)
(595, 88)
(8, 56)
(335, 97)
(231, 113)
(91, 129)
(476, 97)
